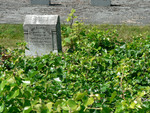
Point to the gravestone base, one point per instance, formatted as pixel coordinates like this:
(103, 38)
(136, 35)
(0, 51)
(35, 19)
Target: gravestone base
(42, 34)
(101, 2)
(40, 2)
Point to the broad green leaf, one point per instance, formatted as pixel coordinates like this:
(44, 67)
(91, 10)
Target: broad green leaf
(104, 88)
(11, 80)
(1, 107)
(113, 95)
(72, 104)
(132, 105)
(90, 101)
(79, 96)
(16, 93)
(68, 30)
(141, 94)
(139, 106)
(58, 102)
(58, 105)
(2, 85)
(20, 72)
(38, 108)
(73, 10)
(106, 109)
(119, 108)
(49, 106)
(148, 70)
(32, 73)
(67, 40)
(65, 106)
(68, 19)
(58, 108)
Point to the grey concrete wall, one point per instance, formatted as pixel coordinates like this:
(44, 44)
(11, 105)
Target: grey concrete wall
(71, 1)
(136, 12)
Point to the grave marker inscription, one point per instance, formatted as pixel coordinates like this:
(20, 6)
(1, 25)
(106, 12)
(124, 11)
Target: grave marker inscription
(42, 34)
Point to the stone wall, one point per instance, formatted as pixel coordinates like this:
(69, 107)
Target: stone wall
(70, 1)
(52, 1)
(135, 12)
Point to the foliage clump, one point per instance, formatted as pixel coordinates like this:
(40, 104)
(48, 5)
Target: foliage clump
(96, 73)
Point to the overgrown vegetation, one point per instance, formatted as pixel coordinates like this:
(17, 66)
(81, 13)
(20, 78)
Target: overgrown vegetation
(98, 73)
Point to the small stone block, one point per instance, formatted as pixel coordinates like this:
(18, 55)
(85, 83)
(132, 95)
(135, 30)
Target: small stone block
(42, 34)
(40, 2)
(101, 2)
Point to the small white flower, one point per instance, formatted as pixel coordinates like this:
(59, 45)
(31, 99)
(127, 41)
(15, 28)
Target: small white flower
(135, 102)
(26, 82)
(57, 79)
(26, 108)
(118, 73)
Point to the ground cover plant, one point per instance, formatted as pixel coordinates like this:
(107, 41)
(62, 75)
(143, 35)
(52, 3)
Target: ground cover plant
(97, 73)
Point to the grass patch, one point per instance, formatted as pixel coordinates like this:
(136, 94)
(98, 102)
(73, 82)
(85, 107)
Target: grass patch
(126, 32)
(10, 34)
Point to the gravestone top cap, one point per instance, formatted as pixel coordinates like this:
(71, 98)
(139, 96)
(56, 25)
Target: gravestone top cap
(41, 19)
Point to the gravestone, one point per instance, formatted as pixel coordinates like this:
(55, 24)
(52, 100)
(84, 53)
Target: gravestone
(40, 2)
(101, 2)
(42, 34)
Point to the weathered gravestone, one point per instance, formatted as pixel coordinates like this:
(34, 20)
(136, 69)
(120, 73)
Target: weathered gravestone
(101, 2)
(40, 2)
(42, 34)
